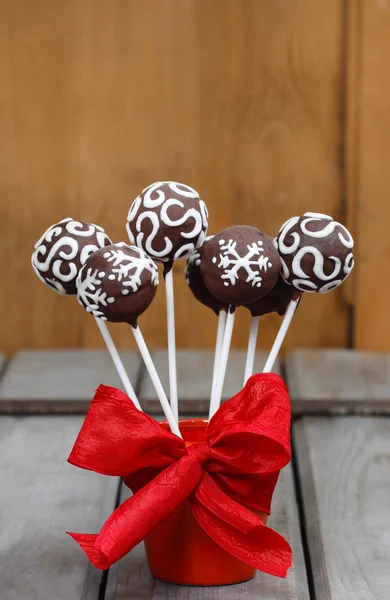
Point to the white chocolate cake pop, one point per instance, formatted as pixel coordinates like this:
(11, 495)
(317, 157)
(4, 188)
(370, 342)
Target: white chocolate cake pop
(168, 220)
(240, 265)
(316, 252)
(62, 251)
(117, 283)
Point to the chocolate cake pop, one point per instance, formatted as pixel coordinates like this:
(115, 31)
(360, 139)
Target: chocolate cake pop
(194, 279)
(117, 283)
(240, 265)
(277, 300)
(63, 250)
(167, 220)
(316, 252)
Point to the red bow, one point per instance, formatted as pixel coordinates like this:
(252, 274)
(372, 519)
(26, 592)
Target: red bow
(247, 443)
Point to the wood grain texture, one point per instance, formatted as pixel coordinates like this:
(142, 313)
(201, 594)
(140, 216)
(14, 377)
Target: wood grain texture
(60, 380)
(344, 471)
(238, 99)
(338, 381)
(130, 578)
(194, 372)
(371, 325)
(42, 496)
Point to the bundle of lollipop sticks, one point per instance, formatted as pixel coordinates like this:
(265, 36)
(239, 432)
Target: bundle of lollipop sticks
(239, 266)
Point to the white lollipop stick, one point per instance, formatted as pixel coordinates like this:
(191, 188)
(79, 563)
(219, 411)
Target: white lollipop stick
(227, 338)
(171, 343)
(218, 348)
(250, 355)
(116, 359)
(292, 307)
(155, 380)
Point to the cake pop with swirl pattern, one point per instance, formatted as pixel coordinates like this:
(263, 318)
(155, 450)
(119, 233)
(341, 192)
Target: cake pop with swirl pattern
(63, 249)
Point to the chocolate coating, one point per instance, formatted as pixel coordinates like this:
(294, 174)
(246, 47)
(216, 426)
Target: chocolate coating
(167, 220)
(316, 252)
(117, 283)
(277, 300)
(196, 284)
(240, 265)
(62, 251)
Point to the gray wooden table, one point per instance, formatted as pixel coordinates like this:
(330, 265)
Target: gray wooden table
(332, 503)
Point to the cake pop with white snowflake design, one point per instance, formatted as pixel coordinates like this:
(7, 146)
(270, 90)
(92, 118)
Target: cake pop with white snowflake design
(240, 265)
(63, 249)
(117, 283)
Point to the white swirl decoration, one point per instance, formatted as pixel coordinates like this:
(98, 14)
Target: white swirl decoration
(316, 252)
(167, 220)
(63, 249)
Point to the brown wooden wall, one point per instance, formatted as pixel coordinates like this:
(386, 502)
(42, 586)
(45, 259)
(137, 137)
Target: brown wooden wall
(268, 108)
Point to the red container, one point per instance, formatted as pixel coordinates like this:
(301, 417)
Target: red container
(179, 551)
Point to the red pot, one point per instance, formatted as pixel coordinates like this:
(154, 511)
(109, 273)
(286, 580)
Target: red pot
(180, 551)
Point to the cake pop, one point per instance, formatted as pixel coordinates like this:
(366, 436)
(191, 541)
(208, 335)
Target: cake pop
(317, 256)
(117, 284)
(316, 252)
(194, 279)
(57, 259)
(62, 251)
(240, 265)
(168, 220)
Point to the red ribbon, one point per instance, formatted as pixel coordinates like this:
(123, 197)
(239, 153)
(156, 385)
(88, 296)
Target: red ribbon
(235, 470)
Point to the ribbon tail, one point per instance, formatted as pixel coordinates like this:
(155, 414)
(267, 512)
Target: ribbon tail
(239, 531)
(131, 522)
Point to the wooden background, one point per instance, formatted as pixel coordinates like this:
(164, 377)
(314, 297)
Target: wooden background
(268, 108)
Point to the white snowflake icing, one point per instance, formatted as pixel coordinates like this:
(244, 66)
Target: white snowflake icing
(125, 269)
(254, 262)
(90, 294)
(128, 269)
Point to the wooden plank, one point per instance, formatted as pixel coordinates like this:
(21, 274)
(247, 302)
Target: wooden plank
(372, 189)
(195, 371)
(41, 497)
(60, 380)
(131, 578)
(239, 99)
(338, 381)
(344, 473)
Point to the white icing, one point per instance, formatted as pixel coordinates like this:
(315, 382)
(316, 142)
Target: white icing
(149, 240)
(283, 249)
(304, 285)
(318, 216)
(330, 286)
(318, 267)
(254, 262)
(349, 264)
(184, 251)
(65, 257)
(157, 197)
